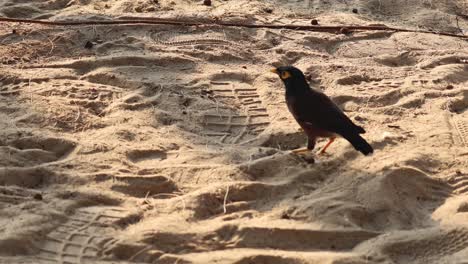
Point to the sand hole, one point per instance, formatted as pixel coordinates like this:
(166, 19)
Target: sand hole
(356, 79)
(144, 186)
(60, 147)
(139, 156)
(25, 177)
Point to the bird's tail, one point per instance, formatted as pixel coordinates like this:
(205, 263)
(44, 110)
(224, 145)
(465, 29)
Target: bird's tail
(360, 144)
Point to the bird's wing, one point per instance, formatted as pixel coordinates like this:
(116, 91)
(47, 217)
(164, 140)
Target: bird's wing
(318, 110)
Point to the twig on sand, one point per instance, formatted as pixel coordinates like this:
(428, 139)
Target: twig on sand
(146, 200)
(52, 45)
(30, 91)
(249, 162)
(225, 199)
(145, 249)
(208, 22)
(78, 116)
(95, 32)
(458, 26)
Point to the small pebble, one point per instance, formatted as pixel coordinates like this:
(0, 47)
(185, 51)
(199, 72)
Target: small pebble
(38, 196)
(449, 87)
(314, 22)
(88, 45)
(207, 2)
(359, 118)
(285, 216)
(355, 11)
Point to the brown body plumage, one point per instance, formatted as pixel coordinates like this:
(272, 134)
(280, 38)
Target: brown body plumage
(317, 114)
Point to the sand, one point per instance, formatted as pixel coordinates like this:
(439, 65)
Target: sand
(169, 144)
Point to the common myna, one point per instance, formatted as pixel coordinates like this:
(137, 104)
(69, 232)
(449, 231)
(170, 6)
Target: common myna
(317, 114)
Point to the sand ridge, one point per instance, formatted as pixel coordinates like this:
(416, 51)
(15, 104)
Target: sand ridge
(168, 144)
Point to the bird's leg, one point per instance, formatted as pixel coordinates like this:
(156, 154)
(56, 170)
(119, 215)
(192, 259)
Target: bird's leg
(310, 147)
(311, 143)
(300, 150)
(330, 141)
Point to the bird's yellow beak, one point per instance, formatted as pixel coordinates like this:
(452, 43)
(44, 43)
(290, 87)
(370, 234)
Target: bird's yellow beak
(274, 71)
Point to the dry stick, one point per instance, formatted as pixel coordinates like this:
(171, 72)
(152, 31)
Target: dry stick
(77, 118)
(225, 199)
(191, 22)
(464, 16)
(458, 25)
(139, 252)
(30, 91)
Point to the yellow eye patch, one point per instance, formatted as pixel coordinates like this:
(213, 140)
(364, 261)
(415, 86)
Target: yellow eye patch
(284, 75)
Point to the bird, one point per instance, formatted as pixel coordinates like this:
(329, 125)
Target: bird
(317, 114)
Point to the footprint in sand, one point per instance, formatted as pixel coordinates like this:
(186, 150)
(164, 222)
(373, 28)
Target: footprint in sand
(239, 114)
(11, 195)
(172, 38)
(35, 150)
(84, 236)
(459, 182)
(429, 245)
(459, 124)
(24, 155)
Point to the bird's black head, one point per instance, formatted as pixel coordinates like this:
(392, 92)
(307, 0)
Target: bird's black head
(292, 77)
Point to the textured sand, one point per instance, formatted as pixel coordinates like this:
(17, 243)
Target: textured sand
(165, 144)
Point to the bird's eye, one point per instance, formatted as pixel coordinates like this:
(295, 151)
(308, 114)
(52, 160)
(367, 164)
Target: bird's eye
(285, 75)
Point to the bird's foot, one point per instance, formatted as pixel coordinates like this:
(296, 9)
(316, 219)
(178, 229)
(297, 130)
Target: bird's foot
(300, 151)
(309, 158)
(305, 154)
(324, 154)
